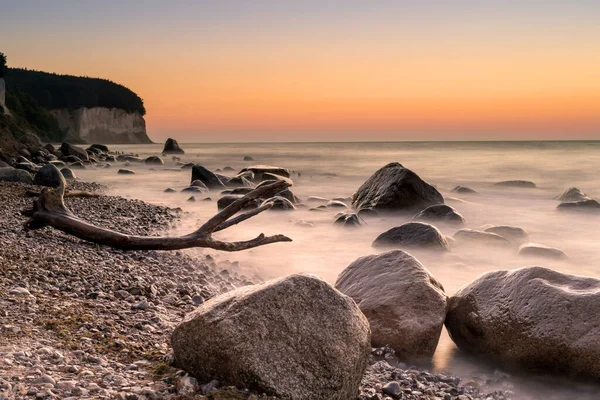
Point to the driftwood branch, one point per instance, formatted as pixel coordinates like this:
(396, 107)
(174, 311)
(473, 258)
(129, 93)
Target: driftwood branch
(49, 210)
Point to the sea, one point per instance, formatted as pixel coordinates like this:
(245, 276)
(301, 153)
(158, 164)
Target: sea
(336, 170)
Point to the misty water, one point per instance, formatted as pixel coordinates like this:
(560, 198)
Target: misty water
(332, 170)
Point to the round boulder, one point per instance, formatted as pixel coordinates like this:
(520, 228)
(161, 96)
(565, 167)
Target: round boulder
(440, 212)
(413, 234)
(294, 337)
(154, 160)
(49, 176)
(531, 318)
(404, 303)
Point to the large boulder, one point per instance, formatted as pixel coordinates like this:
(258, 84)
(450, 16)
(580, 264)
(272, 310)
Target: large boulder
(531, 318)
(49, 176)
(10, 174)
(259, 170)
(440, 212)
(206, 176)
(294, 337)
(172, 147)
(404, 303)
(413, 235)
(395, 188)
(69, 150)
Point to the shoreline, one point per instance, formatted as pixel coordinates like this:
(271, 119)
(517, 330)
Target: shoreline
(88, 321)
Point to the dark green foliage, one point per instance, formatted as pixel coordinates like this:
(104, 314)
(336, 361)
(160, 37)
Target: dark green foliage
(2, 64)
(28, 114)
(65, 91)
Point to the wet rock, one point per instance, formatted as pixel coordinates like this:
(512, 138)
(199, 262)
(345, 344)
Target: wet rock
(103, 148)
(517, 184)
(123, 171)
(513, 233)
(404, 303)
(49, 176)
(259, 170)
(210, 180)
(440, 212)
(319, 349)
(279, 204)
(583, 205)
(395, 188)
(463, 189)
(480, 237)
(531, 318)
(70, 150)
(413, 234)
(68, 174)
(172, 147)
(336, 204)
(349, 221)
(154, 160)
(77, 165)
(540, 251)
(248, 158)
(169, 190)
(573, 194)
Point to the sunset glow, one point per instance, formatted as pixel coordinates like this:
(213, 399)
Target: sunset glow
(333, 70)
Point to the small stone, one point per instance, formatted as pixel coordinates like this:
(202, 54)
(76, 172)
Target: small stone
(392, 389)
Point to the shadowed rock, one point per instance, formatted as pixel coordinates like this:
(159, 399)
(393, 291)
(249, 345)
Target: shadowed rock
(348, 221)
(532, 318)
(294, 337)
(440, 212)
(125, 172)
(259, 170)
(172, 147)
(280, 204)
(404, 303)
(154, 160)
(413, 234)
(517, 184)
(69, 150)
(10, 174)
(395, 188)
(49, 176)
(207, 177)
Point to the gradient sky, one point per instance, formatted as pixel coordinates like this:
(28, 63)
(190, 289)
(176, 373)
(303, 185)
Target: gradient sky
(259, 70)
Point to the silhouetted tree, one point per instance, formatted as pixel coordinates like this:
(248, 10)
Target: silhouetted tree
(2, 64)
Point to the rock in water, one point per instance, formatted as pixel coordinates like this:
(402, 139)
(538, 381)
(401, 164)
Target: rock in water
(404, 303)
(125, 172)
(70, 150)
(349, 220)
(463, 189)
(172, 147)
(573, 194)
(541, 251)
(11, 174)
(413, 234)
(294, 337)
(513, 233)
(279, 204)
(49, 176)
(68, 173)
(154, 160)
(103, 148)
(440, 212)
(531, 318)
(395, 188)
(518, 184)
(583, 205)
(259, 170)
(207, 177)
(480, 237)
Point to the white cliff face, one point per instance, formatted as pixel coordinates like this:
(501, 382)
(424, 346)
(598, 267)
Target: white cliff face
(102, 125)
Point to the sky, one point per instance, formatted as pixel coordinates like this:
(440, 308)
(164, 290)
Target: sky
(351, 70)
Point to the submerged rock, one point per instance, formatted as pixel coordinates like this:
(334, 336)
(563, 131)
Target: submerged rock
(513, 233)
(572, 194)
(531, 318)
(207, 177)
(395, 188)
(463, 189)
(404, 303)
(294, 337)
(540, 251)
(125, 172)
(481, 237)
(583, 205)
(413, 234)
(172, 147)
(517, 183)
(349, 221)
(440, 212)
(279, 204)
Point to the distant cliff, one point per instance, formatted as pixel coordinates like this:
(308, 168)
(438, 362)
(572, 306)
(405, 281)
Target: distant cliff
(101, 125)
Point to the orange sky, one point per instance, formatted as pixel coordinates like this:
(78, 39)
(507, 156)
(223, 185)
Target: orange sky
(211, 74)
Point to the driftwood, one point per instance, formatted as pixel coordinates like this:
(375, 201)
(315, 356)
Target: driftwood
(49, 210)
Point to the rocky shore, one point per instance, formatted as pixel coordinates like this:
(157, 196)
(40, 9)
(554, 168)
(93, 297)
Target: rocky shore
(79, 320)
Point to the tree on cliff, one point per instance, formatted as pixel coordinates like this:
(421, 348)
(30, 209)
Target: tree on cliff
(2, 64)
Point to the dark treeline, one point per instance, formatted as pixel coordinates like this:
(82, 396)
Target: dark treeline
(65, 91)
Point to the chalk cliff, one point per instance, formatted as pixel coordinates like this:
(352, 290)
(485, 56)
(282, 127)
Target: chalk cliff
(102, 125)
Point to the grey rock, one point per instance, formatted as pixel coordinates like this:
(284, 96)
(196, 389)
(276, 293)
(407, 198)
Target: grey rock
(172, 147)
(70, 150)
(123, 171)
(154, 160)
(349, 220)
(10, 174)
(540, 251)
(480, 237)
(49, 176)
(279, 204)
(413, 234)
(294, 337)
(517, 184)
(583, 205)
(68, 174)
(513, 233)
(572, 194)
(210, 180)
(440, 212)
(463, 189)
